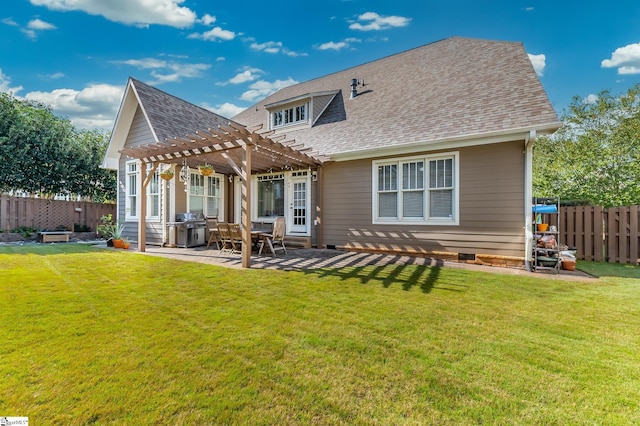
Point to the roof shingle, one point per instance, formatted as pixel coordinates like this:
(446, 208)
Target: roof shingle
(452, 88)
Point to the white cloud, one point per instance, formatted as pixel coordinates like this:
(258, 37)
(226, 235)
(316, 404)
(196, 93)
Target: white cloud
(249, 74)
(207, 19)
(330, 45)
(132, 12)
(94, 107)
(344, 44)
(529, 9)
(371, 21)
(221, 59)
(214, 34)
(539, 63)
(5, 84)
(166, 71)
(29, 33)
(591, 99)
(261, 89)
(39, 24)
(274, 47)
(10, 21)
(227, 109)
(626, 59)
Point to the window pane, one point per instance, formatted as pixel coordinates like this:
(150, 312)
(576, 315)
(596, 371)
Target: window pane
(271, 198)
(388, 204)
(441, 203)
(413, 175)
(413, 204)
(441, 173)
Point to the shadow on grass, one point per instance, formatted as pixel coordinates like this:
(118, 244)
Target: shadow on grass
(409, 275)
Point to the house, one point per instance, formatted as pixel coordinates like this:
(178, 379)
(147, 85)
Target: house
(426, 152)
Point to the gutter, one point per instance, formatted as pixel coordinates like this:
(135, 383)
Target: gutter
(528, 196)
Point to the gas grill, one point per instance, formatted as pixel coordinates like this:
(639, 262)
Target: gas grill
(190, 229)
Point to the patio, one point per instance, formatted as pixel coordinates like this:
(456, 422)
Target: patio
(305, 259)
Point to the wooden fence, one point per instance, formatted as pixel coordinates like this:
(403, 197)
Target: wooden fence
(600, 234)
(16, 212)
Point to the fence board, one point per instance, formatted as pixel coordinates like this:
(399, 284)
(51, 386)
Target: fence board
(16, 212)
(598, 234)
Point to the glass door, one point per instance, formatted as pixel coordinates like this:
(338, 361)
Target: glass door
(299, 198)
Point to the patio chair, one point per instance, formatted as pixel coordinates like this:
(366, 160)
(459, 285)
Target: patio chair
(214, 235)
(225, 237)
(235, 237)
(276, 237)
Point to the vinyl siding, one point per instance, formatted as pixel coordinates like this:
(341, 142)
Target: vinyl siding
(491, 207)
(139, 134)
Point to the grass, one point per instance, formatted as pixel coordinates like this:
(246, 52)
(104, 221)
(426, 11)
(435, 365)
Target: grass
(92, 336)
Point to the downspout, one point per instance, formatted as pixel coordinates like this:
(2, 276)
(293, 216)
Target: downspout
(528, 196)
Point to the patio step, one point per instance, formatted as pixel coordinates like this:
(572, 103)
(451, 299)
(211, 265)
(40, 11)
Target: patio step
(295, 241)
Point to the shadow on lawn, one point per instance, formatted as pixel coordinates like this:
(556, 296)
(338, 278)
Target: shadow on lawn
(409, 274)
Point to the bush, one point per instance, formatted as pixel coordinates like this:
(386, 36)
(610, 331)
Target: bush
(107, 227)
(81, 228)
(25, 231)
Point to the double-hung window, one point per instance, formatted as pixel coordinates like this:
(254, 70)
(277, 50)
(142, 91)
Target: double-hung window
(205, 195)
(153, 194)
(131, 190)
(416, 190)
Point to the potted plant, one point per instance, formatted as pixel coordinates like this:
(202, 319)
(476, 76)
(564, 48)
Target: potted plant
(206, 169)
(125, 243)
(106, 229)
(118, 242)
(167, 174)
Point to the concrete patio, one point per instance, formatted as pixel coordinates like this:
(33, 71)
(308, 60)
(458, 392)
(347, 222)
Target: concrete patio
(305, 259)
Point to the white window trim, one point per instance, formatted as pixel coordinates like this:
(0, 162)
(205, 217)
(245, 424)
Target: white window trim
(454, 221)
(127, 202)
(150, 218)
(282, 109)
(221, 204)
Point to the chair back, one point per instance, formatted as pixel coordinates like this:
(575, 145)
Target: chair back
(279, 228)
(223, 230)
(212, 223)
(234, 232)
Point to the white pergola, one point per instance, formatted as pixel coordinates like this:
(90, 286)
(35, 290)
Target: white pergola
(232, 149)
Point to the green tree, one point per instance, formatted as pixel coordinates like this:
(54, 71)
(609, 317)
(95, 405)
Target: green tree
(595, 156)
(44, 154)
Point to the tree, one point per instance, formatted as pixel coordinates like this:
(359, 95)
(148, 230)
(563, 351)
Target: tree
(45, 155)
(595, 156)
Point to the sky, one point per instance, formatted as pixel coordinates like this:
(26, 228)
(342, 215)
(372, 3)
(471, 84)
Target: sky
(76, 55)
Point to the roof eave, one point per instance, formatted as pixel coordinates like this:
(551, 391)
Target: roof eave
(453, 142)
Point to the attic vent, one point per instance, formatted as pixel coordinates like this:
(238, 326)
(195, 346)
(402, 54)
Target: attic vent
(354, 88)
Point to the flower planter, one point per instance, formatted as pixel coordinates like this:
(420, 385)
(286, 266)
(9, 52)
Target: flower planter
(166, 175)
(118, 243)
(205, 170)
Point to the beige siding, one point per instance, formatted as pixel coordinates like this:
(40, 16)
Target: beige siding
(491, 207)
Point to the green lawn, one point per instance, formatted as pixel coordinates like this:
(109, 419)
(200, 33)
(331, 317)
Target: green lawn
(111, 337)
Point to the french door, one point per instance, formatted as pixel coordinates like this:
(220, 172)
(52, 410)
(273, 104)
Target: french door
(299, 201)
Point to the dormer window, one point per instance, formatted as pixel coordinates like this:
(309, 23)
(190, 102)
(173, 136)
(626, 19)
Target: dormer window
(291, 115)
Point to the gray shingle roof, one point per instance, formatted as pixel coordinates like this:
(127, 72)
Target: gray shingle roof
(172, 117)
(450, 88)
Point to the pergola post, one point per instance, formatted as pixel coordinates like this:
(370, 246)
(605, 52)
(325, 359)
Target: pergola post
(142, 213)
(246, 206)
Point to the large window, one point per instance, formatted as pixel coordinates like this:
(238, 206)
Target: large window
(153, 194)
(131, 190)
(205, 195)
(271, 195)
(291, 115)
(416, 190)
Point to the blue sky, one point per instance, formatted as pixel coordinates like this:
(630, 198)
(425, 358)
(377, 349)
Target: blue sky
(76, 55)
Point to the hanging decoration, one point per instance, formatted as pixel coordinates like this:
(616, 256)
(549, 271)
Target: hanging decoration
(184, 175)
(206, 169)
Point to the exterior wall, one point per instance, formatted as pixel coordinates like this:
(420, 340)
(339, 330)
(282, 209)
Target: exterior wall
(491, 208)
(139, 134)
